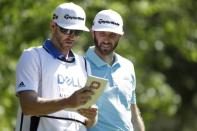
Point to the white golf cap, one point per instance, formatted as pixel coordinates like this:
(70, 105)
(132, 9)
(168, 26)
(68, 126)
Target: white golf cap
(70, 16)
(108, 20)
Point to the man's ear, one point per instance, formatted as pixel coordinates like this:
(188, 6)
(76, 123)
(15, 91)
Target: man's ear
(52, 24)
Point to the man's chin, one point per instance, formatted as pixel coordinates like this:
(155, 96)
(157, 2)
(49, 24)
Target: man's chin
(68, 45)
(106, 52)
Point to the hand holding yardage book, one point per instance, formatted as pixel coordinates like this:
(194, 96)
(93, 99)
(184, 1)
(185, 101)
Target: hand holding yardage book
(97, 84)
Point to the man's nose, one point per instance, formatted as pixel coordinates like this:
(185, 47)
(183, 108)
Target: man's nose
(71, 36)
(106, 41)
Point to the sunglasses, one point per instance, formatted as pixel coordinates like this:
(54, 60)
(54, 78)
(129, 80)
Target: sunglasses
(69, 32)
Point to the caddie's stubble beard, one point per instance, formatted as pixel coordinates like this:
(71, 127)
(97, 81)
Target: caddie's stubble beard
(105, 52)
(60, 42)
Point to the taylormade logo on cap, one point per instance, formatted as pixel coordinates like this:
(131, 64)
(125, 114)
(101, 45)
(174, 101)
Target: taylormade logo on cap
(70, 16)
(101, 21)
(108, 20)
(73, 17)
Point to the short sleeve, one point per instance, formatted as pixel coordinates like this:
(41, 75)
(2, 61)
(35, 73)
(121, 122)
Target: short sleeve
(27, 71)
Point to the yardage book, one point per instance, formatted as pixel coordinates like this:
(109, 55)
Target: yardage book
(97, 85)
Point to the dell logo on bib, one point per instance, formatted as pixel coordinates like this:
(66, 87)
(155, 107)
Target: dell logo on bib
(68, 80)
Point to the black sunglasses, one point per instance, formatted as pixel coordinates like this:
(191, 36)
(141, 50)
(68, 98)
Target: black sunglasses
(69, 32)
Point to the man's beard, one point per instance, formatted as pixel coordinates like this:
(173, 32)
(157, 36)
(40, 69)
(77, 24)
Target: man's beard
(105, 51)
(62, 45)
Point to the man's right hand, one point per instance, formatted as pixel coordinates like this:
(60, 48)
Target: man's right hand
(80, 97)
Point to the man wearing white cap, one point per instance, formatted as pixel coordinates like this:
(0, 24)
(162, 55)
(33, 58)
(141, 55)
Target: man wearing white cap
(117, 108)
(50, 78)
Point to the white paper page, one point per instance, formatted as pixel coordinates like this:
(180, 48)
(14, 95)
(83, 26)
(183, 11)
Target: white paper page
(98, 85)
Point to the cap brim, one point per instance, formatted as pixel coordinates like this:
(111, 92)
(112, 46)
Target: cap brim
(109, 30)
(75, 27)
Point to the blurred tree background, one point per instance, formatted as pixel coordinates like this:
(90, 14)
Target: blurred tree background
(160, 38)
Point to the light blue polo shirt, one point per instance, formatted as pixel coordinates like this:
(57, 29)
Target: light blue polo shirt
(114, 113)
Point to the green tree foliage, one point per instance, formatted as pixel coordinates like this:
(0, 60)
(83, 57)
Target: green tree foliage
(160, 38)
